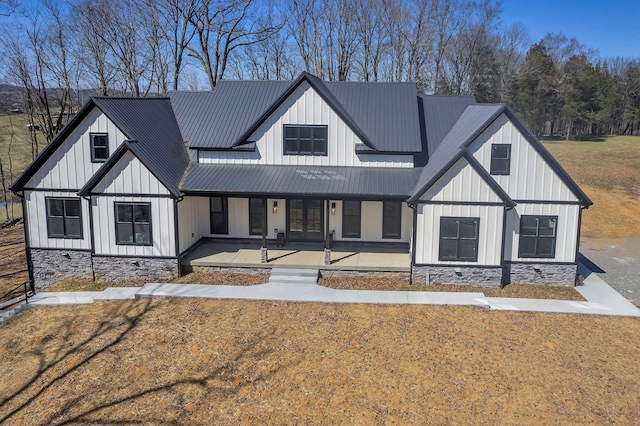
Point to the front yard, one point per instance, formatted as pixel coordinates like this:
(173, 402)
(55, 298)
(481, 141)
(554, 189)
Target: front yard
(244, 362)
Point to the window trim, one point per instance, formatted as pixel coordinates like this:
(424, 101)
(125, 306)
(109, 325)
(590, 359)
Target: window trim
(537, 236)
(263, 207)
(384, 219)
(225, 210)
(314, 153)
(457, 239)
(65, 236)
(93, 147)
(359, 234)
(501, 172)
(115, 219)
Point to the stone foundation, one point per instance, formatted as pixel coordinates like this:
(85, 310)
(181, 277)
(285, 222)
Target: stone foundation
(134, 268)
(372, 274)
(250, 271)
(50, 266)
(542, 273)
(467, 275)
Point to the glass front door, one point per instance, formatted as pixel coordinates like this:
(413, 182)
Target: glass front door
(305, 220)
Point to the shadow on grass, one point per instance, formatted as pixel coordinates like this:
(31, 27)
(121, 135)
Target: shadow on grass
(123, 320)
(579, 138)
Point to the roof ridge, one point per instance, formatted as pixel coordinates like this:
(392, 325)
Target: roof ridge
(135, 98)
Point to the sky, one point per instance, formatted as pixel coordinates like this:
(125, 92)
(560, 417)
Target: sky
(611, 27)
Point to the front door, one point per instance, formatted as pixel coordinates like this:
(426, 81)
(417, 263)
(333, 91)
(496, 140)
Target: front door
(304, 221)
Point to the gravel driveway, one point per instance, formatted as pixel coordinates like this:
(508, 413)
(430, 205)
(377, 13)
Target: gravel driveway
(615, 260)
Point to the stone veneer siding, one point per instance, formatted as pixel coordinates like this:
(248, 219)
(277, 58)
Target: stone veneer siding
(481, 277)
(548, 274)
(250, 271)
(112, 268)
(371, 274)
(52, 265)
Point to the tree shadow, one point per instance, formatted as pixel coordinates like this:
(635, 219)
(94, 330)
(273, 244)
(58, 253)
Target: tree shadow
(122, 321)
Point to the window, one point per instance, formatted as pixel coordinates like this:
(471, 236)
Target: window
(64, 218)
(257, 206)
(351, 219)
(99, 147)
(459, 238)
(133, 224)
(391, 219)
(500, 159)
(305, 140)
(538, 236)
(219, 215)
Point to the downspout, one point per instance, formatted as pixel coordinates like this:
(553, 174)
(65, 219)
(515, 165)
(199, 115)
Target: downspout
(93, 251)
(26, 241)
(176, 231)
(413, 241)
(578, 239)
(504, 240)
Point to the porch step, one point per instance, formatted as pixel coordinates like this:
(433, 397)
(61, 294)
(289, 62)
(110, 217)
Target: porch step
(293, 276)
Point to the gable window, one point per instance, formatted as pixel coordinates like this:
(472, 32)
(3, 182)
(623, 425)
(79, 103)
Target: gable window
(257, 206)
(391, 219)
(305, 140)
(459, 238)
(351, 218)
(219, 215)
(99, 147)
(133, 224)
(538, 236)
(500, 159)
(64, 218)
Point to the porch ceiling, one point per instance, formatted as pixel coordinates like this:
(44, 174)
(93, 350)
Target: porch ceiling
(300, 255)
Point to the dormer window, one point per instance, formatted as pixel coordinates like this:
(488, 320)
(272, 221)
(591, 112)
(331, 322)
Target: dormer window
(305, 140)
(99, 147)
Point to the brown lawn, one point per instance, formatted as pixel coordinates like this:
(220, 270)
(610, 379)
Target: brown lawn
(13, 262)
(170, 361)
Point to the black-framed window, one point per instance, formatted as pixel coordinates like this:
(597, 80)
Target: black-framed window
(459, 239)
(391, 219)
(133, 224)
(305, 140)
(99, 147)
(500, 159)
(219, 215)
(538, 236)
(64, 217)
(257, 206)
(351, 218)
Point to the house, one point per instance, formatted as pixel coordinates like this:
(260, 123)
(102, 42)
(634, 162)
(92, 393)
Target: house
(131, 186)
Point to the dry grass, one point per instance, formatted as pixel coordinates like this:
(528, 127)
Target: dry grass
(13, 262)
(170, 361)
(525, 291)
(609, 172)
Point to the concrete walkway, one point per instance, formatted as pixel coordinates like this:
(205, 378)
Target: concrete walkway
(601, 298)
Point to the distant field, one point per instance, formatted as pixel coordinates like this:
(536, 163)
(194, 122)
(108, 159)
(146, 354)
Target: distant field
(20, 147)
(609, 172)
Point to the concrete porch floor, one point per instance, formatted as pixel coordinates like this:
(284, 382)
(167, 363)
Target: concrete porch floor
(349, 257)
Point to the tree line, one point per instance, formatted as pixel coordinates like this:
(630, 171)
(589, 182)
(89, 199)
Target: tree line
(148, 47)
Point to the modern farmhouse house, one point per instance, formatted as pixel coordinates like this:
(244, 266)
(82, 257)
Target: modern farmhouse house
(453, 191)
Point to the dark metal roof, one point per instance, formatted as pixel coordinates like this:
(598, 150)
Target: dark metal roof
(300, 180)
(471, 122)
(440, 114)
(384, 115)
(153, 135)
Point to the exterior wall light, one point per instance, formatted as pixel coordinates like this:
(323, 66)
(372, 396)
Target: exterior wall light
(333, 209)
(275, 207)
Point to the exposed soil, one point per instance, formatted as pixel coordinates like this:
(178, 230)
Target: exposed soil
(526, 291)
(179, 361)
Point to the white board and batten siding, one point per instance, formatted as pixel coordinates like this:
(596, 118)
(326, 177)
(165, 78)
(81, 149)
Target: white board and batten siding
(130, 176)
(305, 107)
(461, 183)
(371, 223)
(238, 219)
(427, 243)
(162, 227)
(193, 220)
(37, 222)
(531, 177)
(566, 231)
(70, 166)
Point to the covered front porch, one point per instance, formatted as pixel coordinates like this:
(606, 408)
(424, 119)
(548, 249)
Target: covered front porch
(344, 256)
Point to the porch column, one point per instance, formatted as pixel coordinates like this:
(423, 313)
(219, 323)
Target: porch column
(264, 256)
(327, 245)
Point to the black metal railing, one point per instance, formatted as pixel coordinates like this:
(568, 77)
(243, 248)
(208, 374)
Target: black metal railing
(22, 291)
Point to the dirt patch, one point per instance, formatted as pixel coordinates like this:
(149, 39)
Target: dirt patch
(217, 278)
(525, 291)
(162, 361)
